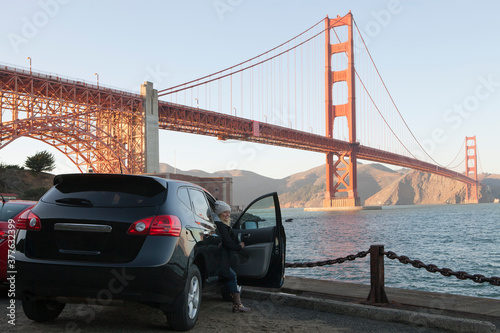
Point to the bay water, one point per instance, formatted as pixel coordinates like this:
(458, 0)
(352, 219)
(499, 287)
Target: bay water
(459, 237)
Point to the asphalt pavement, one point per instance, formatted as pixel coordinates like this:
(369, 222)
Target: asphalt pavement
(302, 305)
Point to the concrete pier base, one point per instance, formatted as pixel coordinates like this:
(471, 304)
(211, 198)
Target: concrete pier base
(438, 311)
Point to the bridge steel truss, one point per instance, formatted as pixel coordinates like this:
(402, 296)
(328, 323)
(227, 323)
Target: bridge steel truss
(104, 129)
(99, 129)
(177, 117)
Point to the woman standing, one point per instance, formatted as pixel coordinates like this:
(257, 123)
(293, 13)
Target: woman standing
(229, 243)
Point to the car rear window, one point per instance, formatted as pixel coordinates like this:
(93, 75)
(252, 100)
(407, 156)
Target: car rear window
(9, 210)
(104, 190)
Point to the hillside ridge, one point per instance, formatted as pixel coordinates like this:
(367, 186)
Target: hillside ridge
(378, 185)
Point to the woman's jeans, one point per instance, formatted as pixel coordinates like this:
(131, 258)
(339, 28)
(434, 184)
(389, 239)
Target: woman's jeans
(232, 283)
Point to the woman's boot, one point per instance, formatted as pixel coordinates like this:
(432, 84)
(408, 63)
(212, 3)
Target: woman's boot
(237, 306)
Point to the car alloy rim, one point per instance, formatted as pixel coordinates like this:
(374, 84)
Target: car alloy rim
(193, 297)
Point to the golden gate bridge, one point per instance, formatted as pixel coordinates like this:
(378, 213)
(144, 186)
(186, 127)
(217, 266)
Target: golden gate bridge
(319, 91)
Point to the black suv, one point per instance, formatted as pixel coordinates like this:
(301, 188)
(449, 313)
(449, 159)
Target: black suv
(145, 239)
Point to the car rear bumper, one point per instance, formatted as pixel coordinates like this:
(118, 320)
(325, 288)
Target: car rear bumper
(157, 286)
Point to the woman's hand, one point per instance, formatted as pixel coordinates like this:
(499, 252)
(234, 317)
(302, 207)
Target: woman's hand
(242, 245)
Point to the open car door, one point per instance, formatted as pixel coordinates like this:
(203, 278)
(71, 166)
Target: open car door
(262, 262)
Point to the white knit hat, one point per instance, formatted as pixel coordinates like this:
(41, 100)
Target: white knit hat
(221, 206)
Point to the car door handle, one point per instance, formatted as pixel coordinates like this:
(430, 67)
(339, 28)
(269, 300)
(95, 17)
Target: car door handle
(242, 237)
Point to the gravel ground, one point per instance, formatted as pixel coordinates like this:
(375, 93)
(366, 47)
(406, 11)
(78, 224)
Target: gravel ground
(215, 316)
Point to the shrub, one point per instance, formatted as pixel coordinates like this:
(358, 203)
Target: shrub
(34, 193)
(41, 161)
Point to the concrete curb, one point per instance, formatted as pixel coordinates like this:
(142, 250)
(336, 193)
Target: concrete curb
(419, 319)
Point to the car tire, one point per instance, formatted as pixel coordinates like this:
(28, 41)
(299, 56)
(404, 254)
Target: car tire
(42, 311)
(187, 306)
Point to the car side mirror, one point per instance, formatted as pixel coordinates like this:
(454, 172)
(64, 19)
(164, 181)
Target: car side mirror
(250, 225)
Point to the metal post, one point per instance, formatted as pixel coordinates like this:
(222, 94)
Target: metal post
(151, 130)
(377, 290)
(29, 58)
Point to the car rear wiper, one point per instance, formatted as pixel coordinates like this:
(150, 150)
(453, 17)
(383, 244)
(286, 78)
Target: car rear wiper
(75, 201)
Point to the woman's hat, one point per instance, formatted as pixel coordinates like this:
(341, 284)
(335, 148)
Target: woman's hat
(221, 206)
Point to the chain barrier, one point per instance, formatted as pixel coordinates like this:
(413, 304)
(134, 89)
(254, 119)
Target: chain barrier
(326, 262)
(494, 280)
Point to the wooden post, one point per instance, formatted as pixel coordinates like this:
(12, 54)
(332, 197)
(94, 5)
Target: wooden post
(377, 290)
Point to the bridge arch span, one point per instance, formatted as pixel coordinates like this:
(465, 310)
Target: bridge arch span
(98, 150)
(97, 128)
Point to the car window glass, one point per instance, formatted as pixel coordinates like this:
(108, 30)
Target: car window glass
(262, 213)
(100, 190)
(8, 211)
(183, 195)
(200, 204)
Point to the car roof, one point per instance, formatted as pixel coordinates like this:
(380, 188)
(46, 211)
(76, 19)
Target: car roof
(161, 180)
(60, 177)
(180, 183)
(22, 202)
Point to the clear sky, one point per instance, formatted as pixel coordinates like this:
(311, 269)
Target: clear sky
(440, 61)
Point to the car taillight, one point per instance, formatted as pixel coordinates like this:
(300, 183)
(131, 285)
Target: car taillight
(140, 227)
(28, 221)
(3, 236)
(166, 225)
(161, 225)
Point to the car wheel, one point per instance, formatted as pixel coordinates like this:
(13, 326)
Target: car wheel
(41, 311)
(187, 306)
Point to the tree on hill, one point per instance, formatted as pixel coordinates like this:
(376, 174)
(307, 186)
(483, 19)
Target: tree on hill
(10, 166)
(41, 161)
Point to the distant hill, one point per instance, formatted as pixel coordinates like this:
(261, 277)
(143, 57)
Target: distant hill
(492, 182)
(306, 189)
(303, 189)
(377, 185)
(28, 185)
(247, 185)
(415, 188)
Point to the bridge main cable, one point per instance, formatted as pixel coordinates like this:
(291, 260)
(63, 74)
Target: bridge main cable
(195, 83)
(393, 102)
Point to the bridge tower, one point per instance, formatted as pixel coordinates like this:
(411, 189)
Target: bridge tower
(471, 194)
(341, 174)
(151, 128)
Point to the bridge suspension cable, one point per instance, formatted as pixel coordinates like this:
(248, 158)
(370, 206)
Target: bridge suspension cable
(255, 89)
(371, 98)
(383, 118)
(462, 147)
(185, 85)
(461, 163)
(479, 162)
(392, 100)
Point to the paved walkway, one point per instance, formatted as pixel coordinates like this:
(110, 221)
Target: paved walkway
(301, 306)
(413, 308)
(215, 316)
